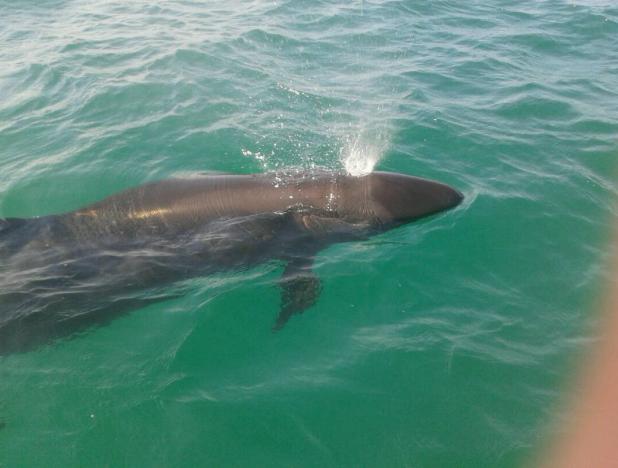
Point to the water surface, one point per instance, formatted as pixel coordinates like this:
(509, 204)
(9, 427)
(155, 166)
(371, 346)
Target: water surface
(444, 343)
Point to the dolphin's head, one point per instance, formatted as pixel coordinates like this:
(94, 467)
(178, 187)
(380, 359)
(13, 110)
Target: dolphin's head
(389, 199)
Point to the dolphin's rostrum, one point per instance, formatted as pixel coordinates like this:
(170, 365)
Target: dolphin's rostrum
(61, 273)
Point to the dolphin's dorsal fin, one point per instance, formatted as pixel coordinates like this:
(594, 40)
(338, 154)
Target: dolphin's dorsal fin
(300, 288)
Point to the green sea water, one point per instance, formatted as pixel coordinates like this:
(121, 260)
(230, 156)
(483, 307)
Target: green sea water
(447, 342)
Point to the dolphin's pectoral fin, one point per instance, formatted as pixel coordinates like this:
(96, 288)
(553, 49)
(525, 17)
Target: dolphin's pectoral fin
(300, 287)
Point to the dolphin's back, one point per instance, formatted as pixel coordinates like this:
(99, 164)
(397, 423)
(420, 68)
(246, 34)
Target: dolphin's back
(154, 208)
(177, 205)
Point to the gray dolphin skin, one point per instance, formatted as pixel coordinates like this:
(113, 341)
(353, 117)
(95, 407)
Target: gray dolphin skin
(63, 273)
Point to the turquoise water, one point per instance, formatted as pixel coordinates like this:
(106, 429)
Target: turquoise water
(443, 343)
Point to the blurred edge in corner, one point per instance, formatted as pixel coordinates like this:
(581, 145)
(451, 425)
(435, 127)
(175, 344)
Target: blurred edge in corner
(590, 439)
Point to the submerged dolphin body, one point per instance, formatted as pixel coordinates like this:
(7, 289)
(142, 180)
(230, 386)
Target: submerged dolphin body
(62, 273)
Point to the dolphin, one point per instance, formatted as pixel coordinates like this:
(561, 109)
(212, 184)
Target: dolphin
(63, 273)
